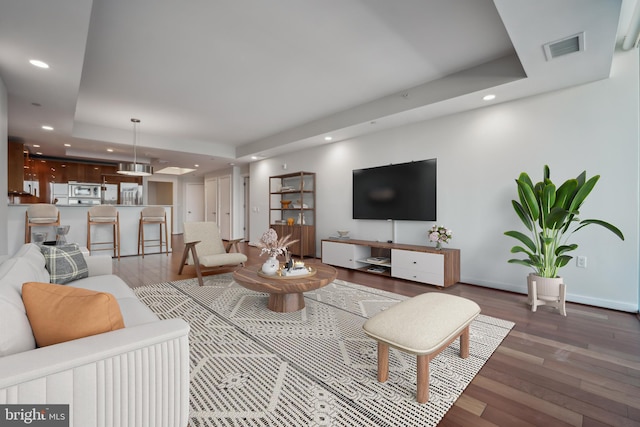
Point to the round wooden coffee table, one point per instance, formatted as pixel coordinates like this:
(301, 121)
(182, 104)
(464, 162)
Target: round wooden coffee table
(285, 294)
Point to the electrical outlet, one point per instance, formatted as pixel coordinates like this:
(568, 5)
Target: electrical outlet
(581, 261)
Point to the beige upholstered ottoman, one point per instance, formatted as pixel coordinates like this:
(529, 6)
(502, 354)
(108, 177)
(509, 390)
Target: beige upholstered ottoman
(423, 325)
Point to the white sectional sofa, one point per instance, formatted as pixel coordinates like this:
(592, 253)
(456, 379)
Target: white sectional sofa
(134, 376)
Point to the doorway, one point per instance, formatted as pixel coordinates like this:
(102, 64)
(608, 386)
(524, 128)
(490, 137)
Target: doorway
(194, 202)
(160, 193)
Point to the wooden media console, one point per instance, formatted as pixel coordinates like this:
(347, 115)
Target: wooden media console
(412, 262)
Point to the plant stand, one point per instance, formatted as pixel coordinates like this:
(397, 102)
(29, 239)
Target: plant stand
(546, 291)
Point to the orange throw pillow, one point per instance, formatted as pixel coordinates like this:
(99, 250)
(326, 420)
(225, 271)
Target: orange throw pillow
(59, 313)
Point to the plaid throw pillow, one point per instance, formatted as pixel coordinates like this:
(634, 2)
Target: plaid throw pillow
(65, 263)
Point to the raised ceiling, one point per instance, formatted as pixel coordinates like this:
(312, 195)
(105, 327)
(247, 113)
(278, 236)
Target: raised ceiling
(217, 82)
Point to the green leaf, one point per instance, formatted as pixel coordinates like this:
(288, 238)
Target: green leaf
(546, 241)
(524, 177)
(528, 200)
(548, 197)
(517, 249)
(523, 215)
(564, 194)
(525, 262)
(556, 218)
(566, 248)
(583, 192)
(523, 238)
(546, 172)
(562, 260)
(604, 224)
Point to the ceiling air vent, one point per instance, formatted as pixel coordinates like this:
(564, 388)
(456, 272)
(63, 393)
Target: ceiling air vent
(564, 46)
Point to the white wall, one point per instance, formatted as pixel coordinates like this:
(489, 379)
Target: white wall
(4, 136)
(480, 153)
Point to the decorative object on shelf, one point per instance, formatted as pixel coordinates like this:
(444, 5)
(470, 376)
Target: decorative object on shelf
(343, 234)
(135, 168)
(270, 244)
(551, 216)
(290, 221)
(301, 219)
(440, 234)
(285, 203)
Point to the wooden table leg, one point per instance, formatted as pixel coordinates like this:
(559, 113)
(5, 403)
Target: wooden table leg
(285, 303)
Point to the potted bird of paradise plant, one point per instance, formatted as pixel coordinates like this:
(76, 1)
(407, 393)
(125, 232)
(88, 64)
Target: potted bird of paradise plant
(550, 214)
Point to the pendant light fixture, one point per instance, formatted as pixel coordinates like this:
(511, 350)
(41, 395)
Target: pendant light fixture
(135, 168)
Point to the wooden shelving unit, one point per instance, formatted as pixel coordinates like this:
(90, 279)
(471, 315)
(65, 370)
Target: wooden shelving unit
(292, 210)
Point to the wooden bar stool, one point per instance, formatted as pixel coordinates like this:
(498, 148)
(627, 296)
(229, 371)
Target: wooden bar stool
(104, 215)
(153, 215)
(40, 215)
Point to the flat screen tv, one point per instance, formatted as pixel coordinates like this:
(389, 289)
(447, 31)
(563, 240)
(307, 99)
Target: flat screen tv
(405, 191)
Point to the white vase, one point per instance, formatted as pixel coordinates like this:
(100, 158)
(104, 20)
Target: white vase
(546, 291)
(270, 266)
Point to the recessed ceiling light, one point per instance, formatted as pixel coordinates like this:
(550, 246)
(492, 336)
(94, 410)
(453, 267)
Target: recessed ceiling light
(196, 166)
(489, 97)
(328, 138)
(36, 146)
(110, 150)
(67, 145)
(38, 63)
(254, 157)
(38, 153)
(47, 127)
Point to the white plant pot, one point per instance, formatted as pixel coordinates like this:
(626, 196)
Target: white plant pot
(546, 291)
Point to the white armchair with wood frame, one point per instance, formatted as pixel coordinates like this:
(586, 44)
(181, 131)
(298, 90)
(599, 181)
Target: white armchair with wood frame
(203, 247)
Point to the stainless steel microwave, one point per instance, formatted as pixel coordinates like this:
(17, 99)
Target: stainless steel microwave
(84, 190)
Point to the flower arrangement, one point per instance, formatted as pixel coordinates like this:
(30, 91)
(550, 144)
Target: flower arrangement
(270, 244)
(440, 234)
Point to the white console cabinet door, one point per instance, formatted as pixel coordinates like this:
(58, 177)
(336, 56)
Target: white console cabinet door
(344, 254)
(422, 267)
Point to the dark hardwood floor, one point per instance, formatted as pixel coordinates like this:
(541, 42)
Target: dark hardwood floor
(579, 370)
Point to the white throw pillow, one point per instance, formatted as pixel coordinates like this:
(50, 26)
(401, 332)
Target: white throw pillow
(16, 335)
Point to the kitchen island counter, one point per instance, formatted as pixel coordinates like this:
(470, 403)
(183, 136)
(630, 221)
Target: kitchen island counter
(76, 217)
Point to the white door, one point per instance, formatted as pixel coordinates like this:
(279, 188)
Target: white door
(194, 202)
(224, 206)
(211, 191)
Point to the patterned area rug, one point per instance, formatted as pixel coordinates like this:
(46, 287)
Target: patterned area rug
(314, 367)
